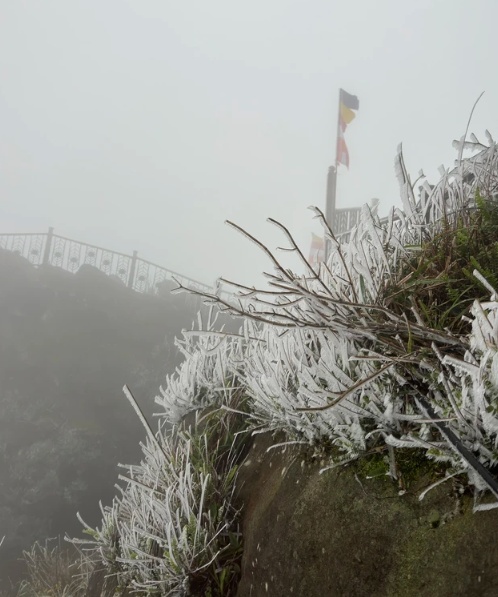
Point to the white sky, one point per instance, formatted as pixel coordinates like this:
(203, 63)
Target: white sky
(144, 124)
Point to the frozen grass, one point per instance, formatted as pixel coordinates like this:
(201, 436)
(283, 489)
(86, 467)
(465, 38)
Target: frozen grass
(54, 571)
(393, 343)
(174, 530)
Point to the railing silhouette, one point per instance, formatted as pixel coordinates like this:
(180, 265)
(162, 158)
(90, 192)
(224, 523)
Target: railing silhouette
(47, 248)
(344, 219)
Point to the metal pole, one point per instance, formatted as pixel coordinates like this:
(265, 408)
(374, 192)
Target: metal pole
(330, 203)
(330, 197)
(332, 183)
(48, 246)
(133, 267)
(458, 446)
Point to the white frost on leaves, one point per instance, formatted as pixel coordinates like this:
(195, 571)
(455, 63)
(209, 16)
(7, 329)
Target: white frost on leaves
(206, 376)
(164, 528)
(321, 358)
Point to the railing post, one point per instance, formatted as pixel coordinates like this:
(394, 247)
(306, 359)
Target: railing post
(133, 267)
(48, 246)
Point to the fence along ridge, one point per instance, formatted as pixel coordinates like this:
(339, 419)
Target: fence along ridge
(48, 248)
(141, 275)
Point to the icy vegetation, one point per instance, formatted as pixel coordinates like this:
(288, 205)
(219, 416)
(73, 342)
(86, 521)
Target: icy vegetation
(392, 343)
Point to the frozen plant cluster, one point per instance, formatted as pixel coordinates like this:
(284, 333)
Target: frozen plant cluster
(173, 529)
(207, 376)
(328, 357)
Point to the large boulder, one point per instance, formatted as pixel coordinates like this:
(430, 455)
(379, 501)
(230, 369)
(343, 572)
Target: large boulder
(340, 533)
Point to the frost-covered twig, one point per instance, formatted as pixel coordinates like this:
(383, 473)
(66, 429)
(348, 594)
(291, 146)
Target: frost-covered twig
(312, 382)
(344, 356)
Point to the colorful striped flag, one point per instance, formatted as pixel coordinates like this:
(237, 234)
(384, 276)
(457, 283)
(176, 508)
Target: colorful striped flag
(347, 104)
(317, 250)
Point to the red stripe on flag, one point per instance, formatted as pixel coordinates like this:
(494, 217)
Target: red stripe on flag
(342, 150)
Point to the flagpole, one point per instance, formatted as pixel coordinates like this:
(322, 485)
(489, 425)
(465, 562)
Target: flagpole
(330, 199)
(330, 203)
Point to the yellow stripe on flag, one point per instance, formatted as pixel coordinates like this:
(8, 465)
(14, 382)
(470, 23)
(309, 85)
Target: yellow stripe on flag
(347, 115)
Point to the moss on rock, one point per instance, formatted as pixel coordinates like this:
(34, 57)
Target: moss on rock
(339, 533)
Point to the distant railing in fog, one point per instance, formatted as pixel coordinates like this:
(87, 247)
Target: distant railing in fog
(47, 248)
(344, 220)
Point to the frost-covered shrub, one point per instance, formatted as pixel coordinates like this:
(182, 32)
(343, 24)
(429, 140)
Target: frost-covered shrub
(173, 530)
(54, 570)
(347, 354)
(356, 352)
(208, 374)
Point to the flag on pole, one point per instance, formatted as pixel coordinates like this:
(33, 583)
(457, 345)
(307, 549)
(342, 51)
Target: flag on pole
(317, 250)
(347, 104)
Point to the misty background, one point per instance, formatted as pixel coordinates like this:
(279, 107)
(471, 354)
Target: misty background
(145, 124)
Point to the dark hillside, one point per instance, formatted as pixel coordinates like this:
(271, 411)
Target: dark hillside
(68, 343)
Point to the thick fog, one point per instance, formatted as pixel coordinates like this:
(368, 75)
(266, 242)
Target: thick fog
(142, 125)
(146, 124)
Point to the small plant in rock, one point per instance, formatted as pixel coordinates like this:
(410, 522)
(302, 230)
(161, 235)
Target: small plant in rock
(55, 570)
(174, 530)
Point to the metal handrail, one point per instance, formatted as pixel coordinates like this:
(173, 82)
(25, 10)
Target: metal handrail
(47, 248)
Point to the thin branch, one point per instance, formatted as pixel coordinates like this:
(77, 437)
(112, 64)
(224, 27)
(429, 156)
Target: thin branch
(359, 384)
(299, 252)
(265, 250)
